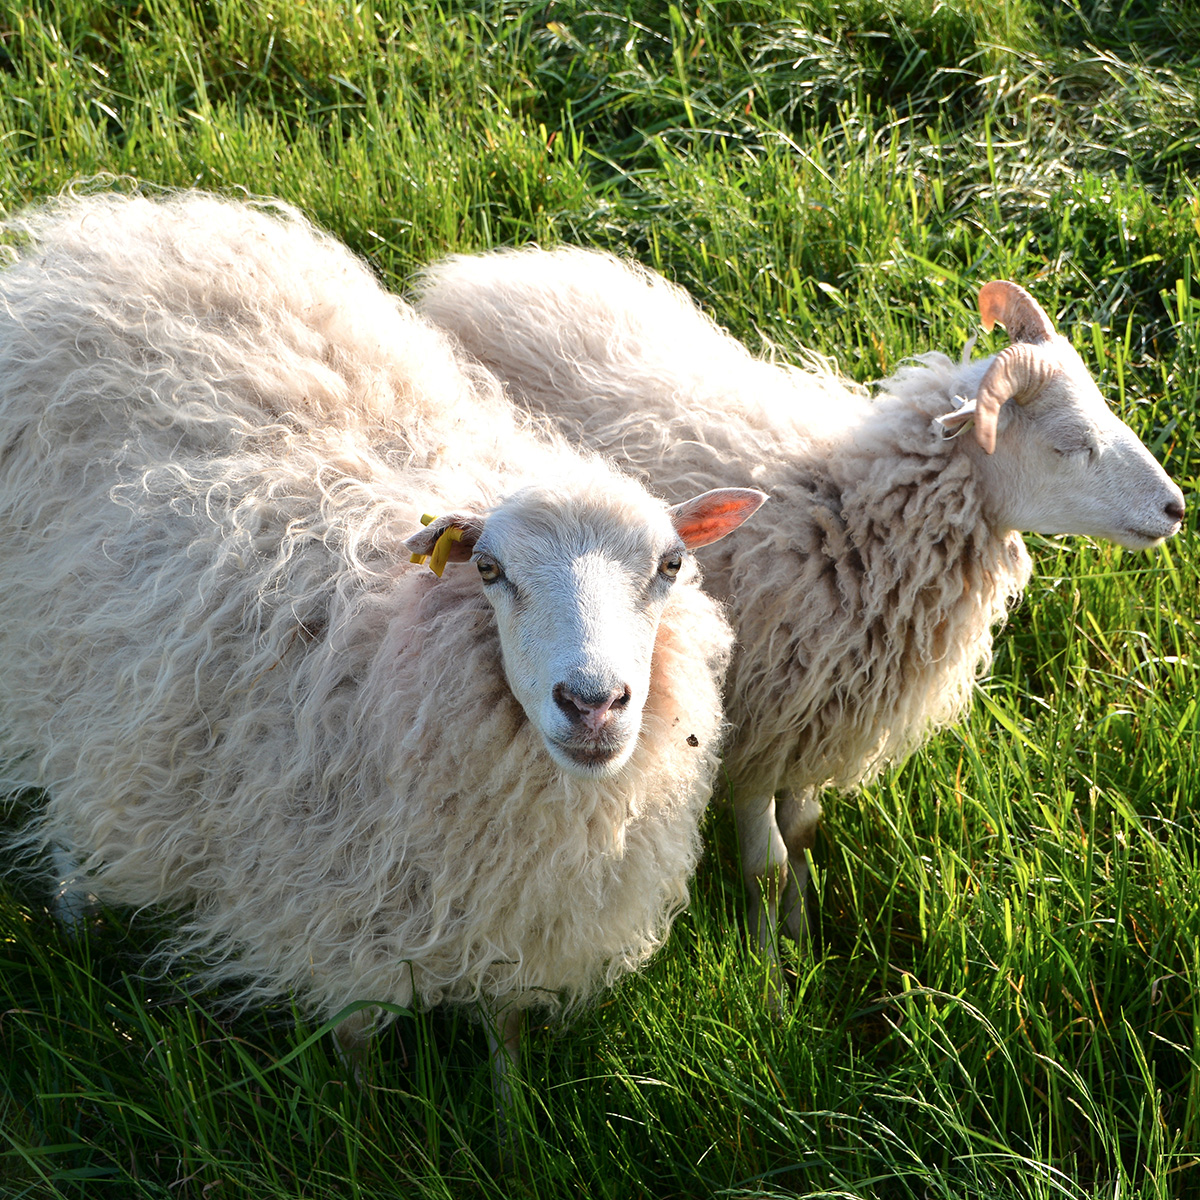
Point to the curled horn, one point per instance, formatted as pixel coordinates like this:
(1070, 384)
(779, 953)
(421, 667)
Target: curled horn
(1021, 370)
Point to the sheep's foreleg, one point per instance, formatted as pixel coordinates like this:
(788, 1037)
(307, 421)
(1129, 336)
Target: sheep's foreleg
(798, 814)
(71, 903)
(352, 1041)
(504, 1042)
(764, 869)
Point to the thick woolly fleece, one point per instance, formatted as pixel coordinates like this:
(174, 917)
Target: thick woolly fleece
(239, 696)
(864, 596)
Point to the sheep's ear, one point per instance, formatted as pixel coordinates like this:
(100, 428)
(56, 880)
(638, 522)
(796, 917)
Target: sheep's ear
(708, 518)
(444, 539)
(956, 422)
(1002, 302)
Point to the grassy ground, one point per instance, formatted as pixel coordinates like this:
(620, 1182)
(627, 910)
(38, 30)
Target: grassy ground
(1003, 997)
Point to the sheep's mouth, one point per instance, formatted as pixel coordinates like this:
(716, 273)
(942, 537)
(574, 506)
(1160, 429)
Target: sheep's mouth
(592, 756)
(1144, 539)
(592, 759)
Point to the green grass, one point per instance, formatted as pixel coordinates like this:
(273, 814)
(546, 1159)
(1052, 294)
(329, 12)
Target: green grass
(1003, 996)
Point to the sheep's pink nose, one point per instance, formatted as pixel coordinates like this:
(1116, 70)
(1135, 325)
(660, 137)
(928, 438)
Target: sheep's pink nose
(592, 711)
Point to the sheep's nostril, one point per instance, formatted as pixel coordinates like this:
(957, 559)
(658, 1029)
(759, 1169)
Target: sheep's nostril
(592, 710)
(1175, 510)
(565, 699)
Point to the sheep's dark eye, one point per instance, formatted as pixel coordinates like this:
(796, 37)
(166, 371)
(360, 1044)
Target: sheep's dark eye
(489, 569)
(671, 565)
(1086, 450)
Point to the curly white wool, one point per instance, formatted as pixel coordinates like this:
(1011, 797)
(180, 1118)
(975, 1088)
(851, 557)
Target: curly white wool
(216, 430)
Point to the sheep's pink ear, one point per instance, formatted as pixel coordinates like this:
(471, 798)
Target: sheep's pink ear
(709, 517)
(444, 539)
(1006, 303)
(1020, 371)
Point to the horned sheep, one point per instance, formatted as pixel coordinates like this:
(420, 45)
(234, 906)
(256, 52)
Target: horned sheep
(865, 598)
(239, 695)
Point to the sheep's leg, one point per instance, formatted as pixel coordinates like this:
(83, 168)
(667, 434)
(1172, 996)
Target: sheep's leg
(504, 1041)
(71, 903)
(352, 1039)
(798, 814)
(764, 870)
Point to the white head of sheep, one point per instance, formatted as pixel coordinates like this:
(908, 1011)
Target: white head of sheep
(1060, 460)
(577, 615)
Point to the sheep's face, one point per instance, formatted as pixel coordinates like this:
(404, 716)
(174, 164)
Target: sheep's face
(577, 627)
(1065, 463)
(1057, 459)
(579, 579)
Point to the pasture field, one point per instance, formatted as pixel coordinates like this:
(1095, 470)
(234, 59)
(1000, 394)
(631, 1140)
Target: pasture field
(1002, 1001)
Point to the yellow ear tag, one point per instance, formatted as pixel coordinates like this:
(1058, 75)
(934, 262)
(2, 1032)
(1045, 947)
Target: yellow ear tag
(426, 519)
(441, 549)
(441, 555)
